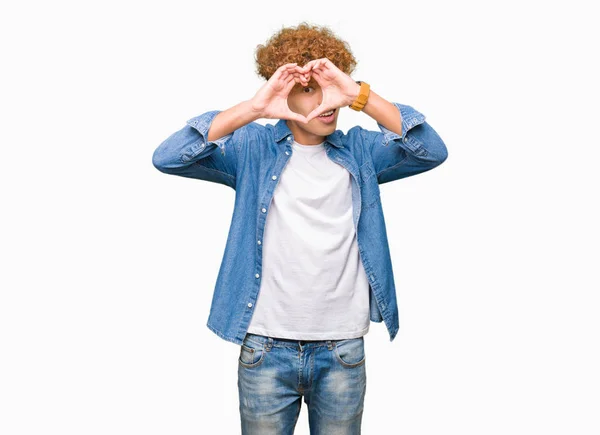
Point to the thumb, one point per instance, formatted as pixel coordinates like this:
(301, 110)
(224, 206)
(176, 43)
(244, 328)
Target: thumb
(314, 113)
(297, 117)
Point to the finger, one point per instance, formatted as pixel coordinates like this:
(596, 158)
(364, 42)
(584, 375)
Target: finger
(276, 75)
(278, 72)
(299, 70)
(308, 66)
(302, 80)
(304, 73)
(299, 80)
(290, 84)
(305, 67)
(318, 78)
(317, 69)
(298, 117)
(318, 64)
(284, 68)
(301, 77)
(327, 64)
(315, 113)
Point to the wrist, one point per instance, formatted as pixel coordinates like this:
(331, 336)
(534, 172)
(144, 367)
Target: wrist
(254, 110)
(352, 93)
(356, 91)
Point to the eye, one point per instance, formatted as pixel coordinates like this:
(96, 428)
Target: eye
(308, 87)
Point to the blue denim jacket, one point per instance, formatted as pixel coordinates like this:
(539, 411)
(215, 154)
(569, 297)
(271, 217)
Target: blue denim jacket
(251, 159)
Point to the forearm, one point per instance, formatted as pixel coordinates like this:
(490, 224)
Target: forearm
(231, 119)
(383, 111)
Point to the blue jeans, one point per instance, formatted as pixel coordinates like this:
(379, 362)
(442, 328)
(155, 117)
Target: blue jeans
(274, 374)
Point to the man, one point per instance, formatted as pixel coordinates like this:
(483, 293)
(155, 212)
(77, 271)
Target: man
(306, 266)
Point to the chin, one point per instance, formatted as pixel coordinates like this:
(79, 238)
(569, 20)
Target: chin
(324, 130)
(330, 127)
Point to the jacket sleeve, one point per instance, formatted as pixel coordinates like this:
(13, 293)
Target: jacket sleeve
(417, 150)
(188, 153)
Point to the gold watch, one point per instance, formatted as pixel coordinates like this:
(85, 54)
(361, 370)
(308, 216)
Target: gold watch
(363, 96)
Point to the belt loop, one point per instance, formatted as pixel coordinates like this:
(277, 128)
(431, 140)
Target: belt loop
(269, 344)
(329, 345)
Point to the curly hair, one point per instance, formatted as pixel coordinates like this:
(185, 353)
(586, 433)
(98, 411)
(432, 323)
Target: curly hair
(302, 44)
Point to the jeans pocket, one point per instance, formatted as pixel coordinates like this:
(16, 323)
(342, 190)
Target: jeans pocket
(251, 354)
(350, 352)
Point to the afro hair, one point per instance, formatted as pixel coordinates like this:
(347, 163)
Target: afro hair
(301, 44)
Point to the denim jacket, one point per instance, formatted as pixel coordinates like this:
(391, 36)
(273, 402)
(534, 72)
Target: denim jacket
(251, 159)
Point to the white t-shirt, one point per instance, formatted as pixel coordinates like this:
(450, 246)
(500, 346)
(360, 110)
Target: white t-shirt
(313, 286)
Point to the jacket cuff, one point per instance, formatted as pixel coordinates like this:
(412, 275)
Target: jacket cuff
(410, 119)
(202, 124)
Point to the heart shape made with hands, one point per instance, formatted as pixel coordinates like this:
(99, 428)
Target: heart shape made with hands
(337, 87)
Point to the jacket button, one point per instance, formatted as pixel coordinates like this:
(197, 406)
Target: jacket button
(287, 153)
(257, 275)
(264, 210)
(259, 242)
(249, 304)
(274, 177)
(289, 138)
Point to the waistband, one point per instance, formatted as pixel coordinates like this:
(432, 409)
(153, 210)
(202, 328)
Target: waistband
(290, 342)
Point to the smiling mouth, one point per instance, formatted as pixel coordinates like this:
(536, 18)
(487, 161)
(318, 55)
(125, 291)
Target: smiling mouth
(329, 118)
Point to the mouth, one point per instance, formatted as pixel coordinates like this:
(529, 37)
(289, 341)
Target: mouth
(328, 117)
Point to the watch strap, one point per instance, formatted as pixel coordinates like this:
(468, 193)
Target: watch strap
(363, 96)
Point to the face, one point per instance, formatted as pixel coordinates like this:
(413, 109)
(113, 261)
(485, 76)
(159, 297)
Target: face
(304, 100)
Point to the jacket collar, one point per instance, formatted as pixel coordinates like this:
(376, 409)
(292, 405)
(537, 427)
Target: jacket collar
(282, 131)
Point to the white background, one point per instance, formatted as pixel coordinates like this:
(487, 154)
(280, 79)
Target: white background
(108, 265)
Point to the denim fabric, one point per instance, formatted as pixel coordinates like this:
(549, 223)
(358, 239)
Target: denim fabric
(251, 159)
(274, 374)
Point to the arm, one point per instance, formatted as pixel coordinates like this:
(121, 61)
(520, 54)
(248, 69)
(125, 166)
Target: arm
(415, 145)
(232, 119)
(191, 151)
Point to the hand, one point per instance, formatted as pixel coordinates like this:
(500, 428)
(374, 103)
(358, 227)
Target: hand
(339, 89)
(271, 99)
